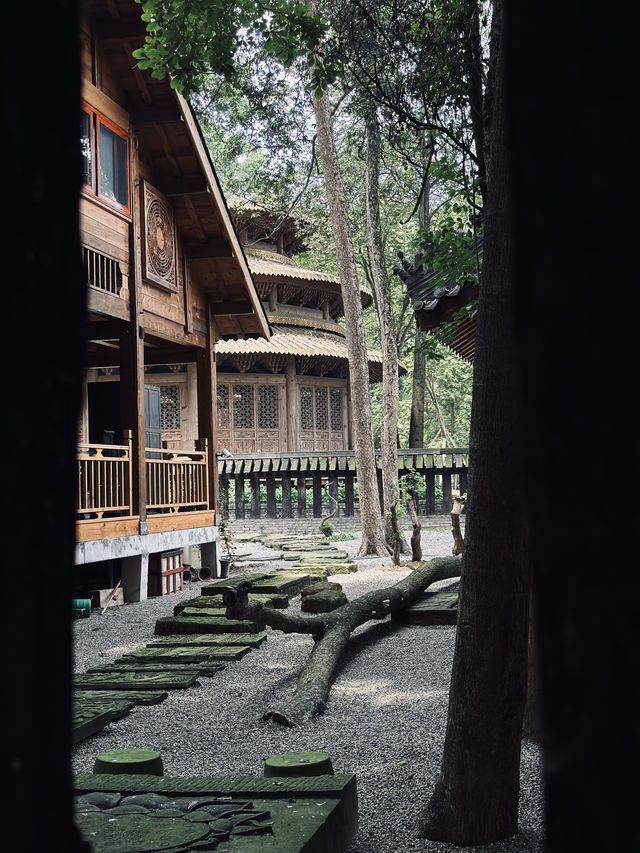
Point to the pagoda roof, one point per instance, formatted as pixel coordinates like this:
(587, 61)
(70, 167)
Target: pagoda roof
(306, 345)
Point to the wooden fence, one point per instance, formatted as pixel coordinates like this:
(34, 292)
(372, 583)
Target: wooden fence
(296, 485)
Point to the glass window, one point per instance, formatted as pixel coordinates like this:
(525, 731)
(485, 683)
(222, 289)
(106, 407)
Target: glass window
(105, 157)
(114, 182)
(86, 148)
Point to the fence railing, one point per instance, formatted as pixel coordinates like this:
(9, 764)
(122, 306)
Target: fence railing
(104, 480)
(176, 481)
(297, 485)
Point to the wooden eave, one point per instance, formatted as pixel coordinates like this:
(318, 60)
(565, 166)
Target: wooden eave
(170, 141)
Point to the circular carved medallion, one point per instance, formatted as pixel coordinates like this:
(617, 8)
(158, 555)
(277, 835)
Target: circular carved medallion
(160, 240)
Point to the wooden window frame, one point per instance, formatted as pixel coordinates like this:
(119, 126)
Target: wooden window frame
(93, 189)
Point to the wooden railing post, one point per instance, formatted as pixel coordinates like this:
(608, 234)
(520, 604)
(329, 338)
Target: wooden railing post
(287, 510)
(127, 438)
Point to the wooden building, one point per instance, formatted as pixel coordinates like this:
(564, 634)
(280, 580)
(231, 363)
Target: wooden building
(167, 282)
(290, 392)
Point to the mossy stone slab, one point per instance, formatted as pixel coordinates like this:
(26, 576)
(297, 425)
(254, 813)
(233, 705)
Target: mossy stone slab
(205, 668)
(307, 814)
(137, 697)
(87, 720)
(138, 680)
(431, 608)
(329, 554)
(179, 655)
(187, 640)
(203, 625)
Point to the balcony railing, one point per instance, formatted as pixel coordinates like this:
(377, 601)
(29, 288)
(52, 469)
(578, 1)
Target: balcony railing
(176, 481)
(104, 484)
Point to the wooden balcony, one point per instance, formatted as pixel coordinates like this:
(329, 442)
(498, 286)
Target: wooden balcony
(176, 483)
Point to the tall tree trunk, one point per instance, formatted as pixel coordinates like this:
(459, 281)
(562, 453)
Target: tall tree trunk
(370, 516)
(475, 800)
(390, 385)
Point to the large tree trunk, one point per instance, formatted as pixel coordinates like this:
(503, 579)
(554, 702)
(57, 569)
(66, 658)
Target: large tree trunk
(331, 632)
(370, 515)
(576, 228)
(475, 800)
(390, 389)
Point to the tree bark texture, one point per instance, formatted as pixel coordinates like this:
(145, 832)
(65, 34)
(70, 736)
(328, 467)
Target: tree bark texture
(372, 536)
(568, 335)
(475, 800)
(390, 385)
(331, 632)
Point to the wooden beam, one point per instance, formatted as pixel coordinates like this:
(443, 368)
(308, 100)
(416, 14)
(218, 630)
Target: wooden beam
(187, 185)
(216, 247)
(179, 356)
(107, 330)
(232, 307)
(130, 28)
(151, 115)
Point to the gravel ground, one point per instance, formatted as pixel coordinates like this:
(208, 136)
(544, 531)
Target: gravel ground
(385, 719)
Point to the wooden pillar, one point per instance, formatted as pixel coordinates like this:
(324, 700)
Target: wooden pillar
(206, 382)
(333, 491)
(349, 502)
(287, 510)
(291, 404)
(254, 481)
(132, 410)
(446, 492)
(463, 481)
(223, 495)
(239, 495)
(430, 493)
(271, 495)
(302, 497)
(317, 494)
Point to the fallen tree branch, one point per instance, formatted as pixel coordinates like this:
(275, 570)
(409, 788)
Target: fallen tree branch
(331, 632)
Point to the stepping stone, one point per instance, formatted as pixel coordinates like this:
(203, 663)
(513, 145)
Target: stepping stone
(186, 640)
(272, 814)
(284, 581)
(192, 654)
(432, 608)
(204, 625)
(137, 697)
(135, 680)
(204, 668)
(332, 554)
(87, 721)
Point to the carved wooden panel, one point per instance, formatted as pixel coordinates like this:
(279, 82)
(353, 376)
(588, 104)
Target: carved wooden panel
(158, 229)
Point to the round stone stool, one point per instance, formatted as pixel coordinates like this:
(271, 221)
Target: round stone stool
(144, 761)
(298, 764)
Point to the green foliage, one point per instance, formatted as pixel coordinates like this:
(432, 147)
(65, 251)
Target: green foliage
(188, 38)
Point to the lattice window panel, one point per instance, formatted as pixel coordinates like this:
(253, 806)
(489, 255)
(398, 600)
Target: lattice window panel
(169, 407)
(222, 406)
(306, 407)
(243, 406)
(267, 407)
(336, 409)
(322, 409)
